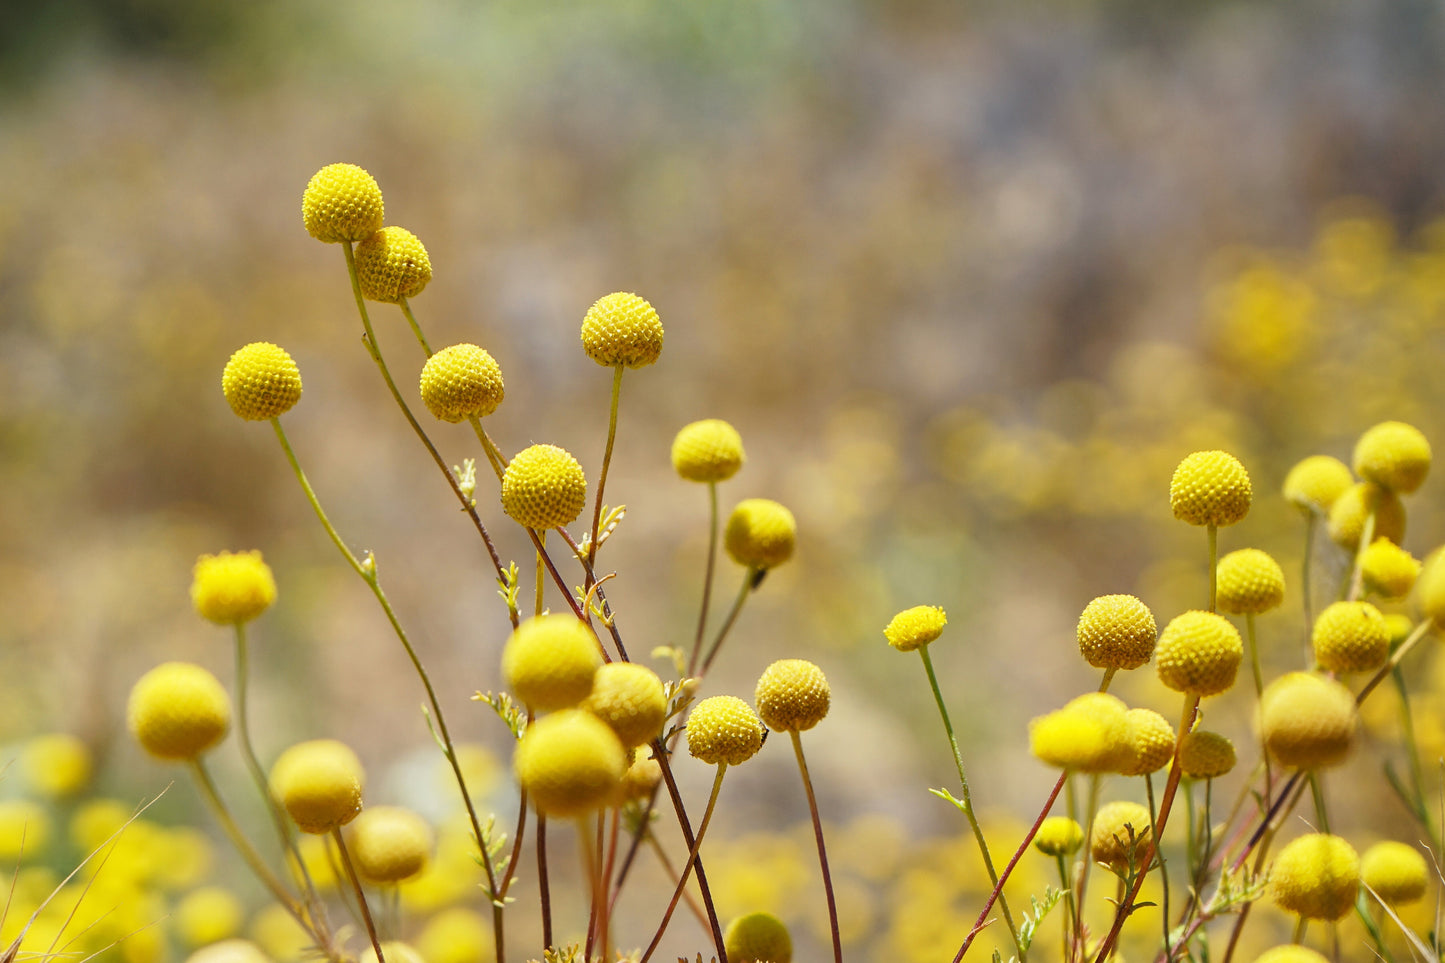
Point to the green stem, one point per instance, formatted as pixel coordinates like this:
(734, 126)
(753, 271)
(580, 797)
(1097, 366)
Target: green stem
(415, 328)
(1066, 886)
(1254, 663)
(687, 866)
(1299, 931)
(1357, 573)
(606, 462)
(1417, 779)
(749, 580)
(1317, 791)
(541, 571)
(1311, 522)
(360, 894)
(1401, 651)
(1213, 567)
(1091, 806)
(822, 852)
(707, 577)
(1163, 871)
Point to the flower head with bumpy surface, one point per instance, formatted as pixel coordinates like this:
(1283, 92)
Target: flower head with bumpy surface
(629, 698)
(570, 763)
(1396, 872)
(1393, 455)
(1316, 876)
(1351, 637)
(1120, 830)
(319, 782)
(232, 587)
(792, 695)
(389, 843)
(1151, 742)
(1388, 569)
(1199, 652)
(1116, 632)
(1089, 734)
(758, 938)
(342, 202)
(1350, 510)
(1308, 721)
(1210, 488)
(1205, 755)
(178, 710)
(710, 450)
(915, 627)
(723, 729)
(1058, 836)
(1249, 582)
(461, 381)
(760, 533)
(641, 778)
(392, 265)
(1313, 484)
(261, 381)
(543, 487)
(551, 662)
(622, 330)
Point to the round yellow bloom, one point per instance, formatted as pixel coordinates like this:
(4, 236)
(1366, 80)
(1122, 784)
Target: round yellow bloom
(456, 935)
(543, 487)
(758, 938)
(569, 763)
(760, 533)
(319, 782)
(551, 661)
(461, 381)
(208, 915)
(392, 265)
(622, 330)
(629, 698)
(1089, 734)
(1120, 829)
(232, 587)
(1151, 742)
(1347, 516)
(1058, 836)
(1116, 632)
(1399, 626)
(1210, 488)
(1389, 570)
(723, 729)
(1351, 637)
(1308, 721)
(389, 843)
(1249, 582)
(1199, 652)
(342, 202)
(24, 830)
(710, 450)
(1205, 755)
(55, 765)
(178, 710)
(261, 381)
(1313, 484)
(1430, 587)
(792, 695)
(1316, 876)
(914, 627)
(1396, 872)
(641, 778)
(1290, 953)
(1393, 455)
(276, 931)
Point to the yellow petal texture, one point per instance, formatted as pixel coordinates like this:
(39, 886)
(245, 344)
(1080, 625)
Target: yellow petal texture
(710, 450)
(319, 782)
(622, 329)
(914, 627)
(392, 265)
(723, 729)
(178, 710)
(1199, 652)
(260, 381)
(232, 587)
(1205, 755)
(792, 695)
(569, 763)
(1116, 632)
(1308, 721)
(1249, 582)
(1151, 742)
(341, 202)
(1351, 637)
(1210, 488)
(1393, 455)
(760, 533)
(1316, 876)
(543, 487)
(630, 699)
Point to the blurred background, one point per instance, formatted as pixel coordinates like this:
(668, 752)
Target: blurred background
(969, 279)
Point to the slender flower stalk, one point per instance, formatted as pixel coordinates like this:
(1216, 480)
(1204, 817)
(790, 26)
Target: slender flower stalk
(822, 850)
(688, 864)
(707, 578)
(360, 893)
(606, 463)
(751, 579)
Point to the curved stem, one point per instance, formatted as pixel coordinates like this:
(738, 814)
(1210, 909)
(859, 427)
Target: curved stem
(360, 894)
(1317, 791)
(677, 891)
(749, 581)
(707, 577)
(822, 852)
(660, 753)
(415, 328)
(1401, 651)
(243, 845)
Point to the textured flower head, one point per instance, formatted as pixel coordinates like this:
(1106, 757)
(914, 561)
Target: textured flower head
(1430, 587)
(232, 587)
(792, 695)
(915, 627)
(1351, 637)
(1351, 509)
(1308, 721)
(392, 265)
(622, 330)
(710, 450)
(1151, 742)
(641, 778)
(1116, 632)
(543, 487)
(570, 763)
(1058, 836)
(342, 202)
(629, 698)
(55, 765)
(758, 938)
(1393, 455)
(1205, 755)
(178, 711)
(1210, 488)
(1120, 832)
(551, 662)
(461, 381)
(261, 381)
(1313, 484)
(389, 843)
(760, 533)
(1089, 734)
(1388, 569)
(723, 729)
(1396, 872)
(1199, 652)
(319, 782)
(1249, 582)
(1316, 876)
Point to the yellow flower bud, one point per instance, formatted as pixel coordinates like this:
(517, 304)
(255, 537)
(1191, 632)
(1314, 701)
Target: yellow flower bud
(723, 729)
(760, 533)
(792, 695)
(261, 381)
(178, 711)
(1151, 742)
(342, 202)
(462, 381)
(1116, 632)
(1351, 637)
(1199, 652)
(622, 330)
(392, 265)
(319, 782)
(758, 938)
(1314, 483)
(1316, 876)
(1388, 569)
(389, 843)
(551, 662)
(1210, 488)
(570, 763)
(1058, 836)
(543, 487)
(1089, 734)
(230, 588)
(1393, 455)
(1396, 872)
(1120, 830)
(1308, 721)
(1205, 755)
(630, 699)
(1347, 516)
(1249, 582)
(707, 451)
(915, 627)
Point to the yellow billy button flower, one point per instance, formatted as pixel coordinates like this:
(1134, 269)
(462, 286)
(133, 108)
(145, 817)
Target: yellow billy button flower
(570, 763)
(710, 450)
(629, 698)
(208, 915)
(1316, 876)
(1120, 830)
(389, 843)
(543, 487)
(178, 710)
(1089, 734)
(1249, 582)
(1347, 516)
(1396, 872)
(460, 382)
(915, 627)
(723, 729)
(1430, 587)
(1290, 953)
(1117, 632)
(640, 779)
(261, 381)
(1393, 455)
(1058, 836)
(1388, 569)
(1199, 652)
(1151, 742)
(760, 533)
(319, 782)
(1205, 755)
(758, 938)
(392, 265)
(1351, 637)
(456, 935)
(1313, 484)
(342, 202)
(622, 330)
(232, 587)
(56, 765)
(792, 695)
(551, 662)
(1210, 488)
(1308, 721)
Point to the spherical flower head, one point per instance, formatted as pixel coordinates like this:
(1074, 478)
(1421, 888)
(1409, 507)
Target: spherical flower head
(1351, 637)
(641, 777)
(1151, 742)
(1058, 836)
(208, 915)
(1210, 488)
(1249, 582)
(1308, 721)
(1389, 570)
(723, 729)
(342, 202)
(1393, 455)
(622, 330)
(178, 710)
(710, 450)
(629, 698)
(1120, 830)
(1396, 872)
(760, 533)
(792, 695)
(55, 765)
(232, 587)
(1348, 514)
(392, 265)
(1090, 734)
(1117, 632)
(1290, 953)
(1430, 587)
(1316, 876)
(261, 381)
(758, 938)
(1313, 484)
(25, 829)
(389, 843)
(1205, 755)
(551, 662)
(460, 382)
(1399, 626)
(1199, 652)
(319, 782)
(543, 487)
(456, 935)
(914, 627)
(570, 763)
